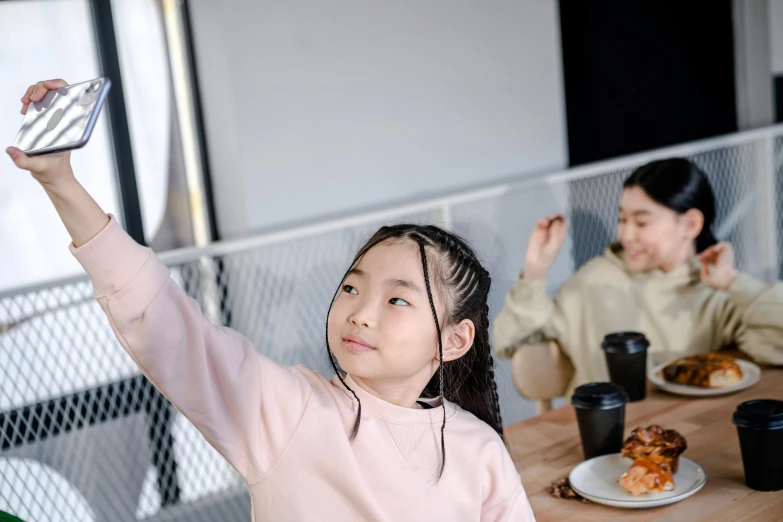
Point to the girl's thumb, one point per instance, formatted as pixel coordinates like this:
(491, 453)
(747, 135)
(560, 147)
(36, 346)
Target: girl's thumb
(18, 157)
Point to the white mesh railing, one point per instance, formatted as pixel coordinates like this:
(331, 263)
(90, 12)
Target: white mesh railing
(84, 437)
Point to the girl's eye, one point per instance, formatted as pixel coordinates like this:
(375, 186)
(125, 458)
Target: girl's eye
(349, 289)
(641, 225)
(398, 302)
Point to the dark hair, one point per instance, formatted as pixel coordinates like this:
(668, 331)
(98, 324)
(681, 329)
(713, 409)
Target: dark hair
(678, 184)
(470, 380)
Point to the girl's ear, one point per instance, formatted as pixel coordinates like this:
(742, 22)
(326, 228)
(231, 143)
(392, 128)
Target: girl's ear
(457, 340)
(693, 221)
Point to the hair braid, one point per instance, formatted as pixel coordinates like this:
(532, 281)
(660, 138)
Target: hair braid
(484, 382)
(483, 331)
(383, 234)
(440, 358)
(338, 372)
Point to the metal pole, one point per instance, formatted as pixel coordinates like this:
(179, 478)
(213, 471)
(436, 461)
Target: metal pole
(768, 208)
(187, 109)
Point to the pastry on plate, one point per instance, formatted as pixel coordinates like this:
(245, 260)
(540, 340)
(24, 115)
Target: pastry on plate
(648, 475)
(709, 370)
(655, 452)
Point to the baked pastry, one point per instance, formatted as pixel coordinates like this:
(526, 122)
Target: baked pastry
(648, 475)
(709, 370)
(655, 441)
(655, 452)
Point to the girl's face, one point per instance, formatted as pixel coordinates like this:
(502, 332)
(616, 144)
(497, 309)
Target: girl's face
(654, 236)
(381, 324)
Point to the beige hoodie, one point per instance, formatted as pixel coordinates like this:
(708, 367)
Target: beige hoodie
(677, 313)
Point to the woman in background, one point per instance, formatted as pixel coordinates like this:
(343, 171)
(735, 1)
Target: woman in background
(666, 276)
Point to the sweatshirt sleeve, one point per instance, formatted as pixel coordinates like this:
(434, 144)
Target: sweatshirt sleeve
(515, 508)
(528, 315)
(245, 405)
(752, 318)
(504, 496)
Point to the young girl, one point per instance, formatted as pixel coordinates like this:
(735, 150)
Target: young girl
(667, 277)
(410, 429)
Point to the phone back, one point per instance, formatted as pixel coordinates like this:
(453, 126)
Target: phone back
(63, 119)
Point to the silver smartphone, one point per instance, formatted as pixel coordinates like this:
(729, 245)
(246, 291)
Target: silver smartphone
(63, 119)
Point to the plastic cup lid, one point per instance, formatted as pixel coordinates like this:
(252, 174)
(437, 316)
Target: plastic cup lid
(599, 396)
(762, 414)
(625, 342)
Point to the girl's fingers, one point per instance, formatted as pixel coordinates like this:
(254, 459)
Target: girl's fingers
(55, 84)
(38, 92)
(26, 99)
(707, 258)
(554, 219)
(35, 93)
(711, 251)
(560, 231)
(27, 93)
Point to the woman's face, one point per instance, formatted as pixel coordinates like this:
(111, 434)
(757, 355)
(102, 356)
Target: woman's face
(654, 236)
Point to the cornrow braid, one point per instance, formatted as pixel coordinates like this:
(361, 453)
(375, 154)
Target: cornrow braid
(476, 391)
(440, 358)
(493, 387)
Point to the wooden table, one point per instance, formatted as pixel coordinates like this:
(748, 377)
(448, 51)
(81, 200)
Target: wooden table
(546, 448)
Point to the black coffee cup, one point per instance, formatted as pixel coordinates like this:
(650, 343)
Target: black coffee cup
(626, 359)
(760, 428)
(600, 412)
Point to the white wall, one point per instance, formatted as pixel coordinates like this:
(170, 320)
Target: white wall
(314, 108)
(776, 35)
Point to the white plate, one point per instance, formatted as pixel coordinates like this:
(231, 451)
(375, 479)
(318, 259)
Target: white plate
(596, 480)
(750, 376)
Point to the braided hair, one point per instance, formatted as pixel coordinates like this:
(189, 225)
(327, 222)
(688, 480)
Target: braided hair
(452, 266)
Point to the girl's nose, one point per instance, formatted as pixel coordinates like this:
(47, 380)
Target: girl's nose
(362, 316)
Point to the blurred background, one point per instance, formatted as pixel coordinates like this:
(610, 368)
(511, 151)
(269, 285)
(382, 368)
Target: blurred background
(255, 144)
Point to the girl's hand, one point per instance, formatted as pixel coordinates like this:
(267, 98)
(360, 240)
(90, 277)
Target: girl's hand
(81, 215)
(717, 266)
(47, 169)
(544, 244)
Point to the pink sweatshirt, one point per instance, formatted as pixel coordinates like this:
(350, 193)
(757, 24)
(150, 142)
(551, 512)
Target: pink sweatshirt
(286, 429)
